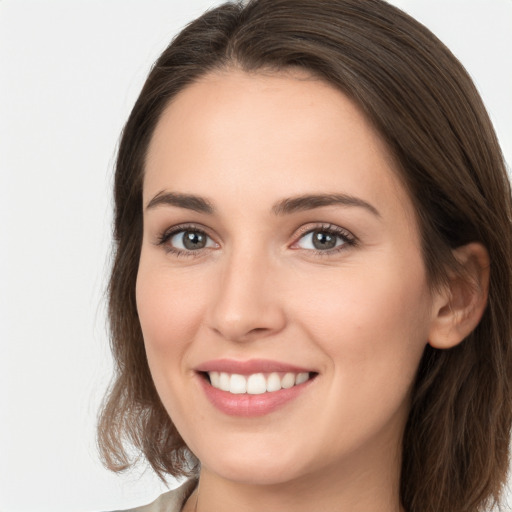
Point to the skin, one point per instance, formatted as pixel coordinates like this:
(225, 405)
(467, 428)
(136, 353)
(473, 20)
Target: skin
(359, 316)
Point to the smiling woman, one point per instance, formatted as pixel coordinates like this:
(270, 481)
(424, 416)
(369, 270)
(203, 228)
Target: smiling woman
(311, 295)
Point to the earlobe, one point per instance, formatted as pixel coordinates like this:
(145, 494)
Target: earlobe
(459, 307)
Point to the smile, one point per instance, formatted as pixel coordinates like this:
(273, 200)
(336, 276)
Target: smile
(252, 388)
(256, 383)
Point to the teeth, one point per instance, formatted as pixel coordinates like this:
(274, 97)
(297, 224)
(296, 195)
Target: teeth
(257, 383)
(237, 384)
(273, 382)
(215, 379)
(224, 381)
(288, 381)
(301, 378)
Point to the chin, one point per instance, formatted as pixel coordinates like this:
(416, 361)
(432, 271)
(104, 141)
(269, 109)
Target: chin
(256, 464)
(259, 474)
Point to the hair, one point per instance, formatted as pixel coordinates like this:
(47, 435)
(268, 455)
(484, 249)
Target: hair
(424, 105)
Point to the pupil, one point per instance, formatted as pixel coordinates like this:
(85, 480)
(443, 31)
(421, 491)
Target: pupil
(323, 240)
(194, 240)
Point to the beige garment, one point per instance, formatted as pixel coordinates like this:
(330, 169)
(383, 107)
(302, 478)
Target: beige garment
(172, 501)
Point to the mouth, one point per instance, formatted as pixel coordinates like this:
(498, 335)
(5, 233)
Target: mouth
(256, 383)
(252, 388)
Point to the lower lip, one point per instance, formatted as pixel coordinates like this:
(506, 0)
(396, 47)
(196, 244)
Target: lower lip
(248, 406)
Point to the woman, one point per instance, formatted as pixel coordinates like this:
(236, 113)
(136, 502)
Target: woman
(311, 294)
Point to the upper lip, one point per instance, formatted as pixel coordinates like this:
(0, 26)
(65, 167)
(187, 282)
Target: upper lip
(249, 367)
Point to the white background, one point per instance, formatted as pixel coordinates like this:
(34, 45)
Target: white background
(70, 70)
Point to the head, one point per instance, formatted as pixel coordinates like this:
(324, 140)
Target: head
(420, 105)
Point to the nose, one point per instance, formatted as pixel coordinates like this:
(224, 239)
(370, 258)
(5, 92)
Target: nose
(246, 304)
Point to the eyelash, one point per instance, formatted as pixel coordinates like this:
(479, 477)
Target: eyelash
(348, 239)
(164, 238)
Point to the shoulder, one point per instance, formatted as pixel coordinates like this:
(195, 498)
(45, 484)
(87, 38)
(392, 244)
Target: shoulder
(171, 501)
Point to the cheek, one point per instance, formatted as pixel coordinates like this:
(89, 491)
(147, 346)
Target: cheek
(363, 301)
(372, 324)
(374, 336)
(170, 311)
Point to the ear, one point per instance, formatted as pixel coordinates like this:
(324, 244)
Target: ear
(459, 307)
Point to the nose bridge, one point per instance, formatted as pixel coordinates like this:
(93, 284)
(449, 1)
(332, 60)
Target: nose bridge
(246, 303)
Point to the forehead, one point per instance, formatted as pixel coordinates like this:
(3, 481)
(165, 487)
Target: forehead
(236, 134)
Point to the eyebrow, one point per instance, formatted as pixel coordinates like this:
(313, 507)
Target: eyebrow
(312, 201)
(283, 207)
(188, 201)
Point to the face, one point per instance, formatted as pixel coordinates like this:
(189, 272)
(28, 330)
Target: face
(281, 289)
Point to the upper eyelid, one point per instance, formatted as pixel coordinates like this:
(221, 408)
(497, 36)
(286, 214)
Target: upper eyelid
(322, 226)
(187, 227)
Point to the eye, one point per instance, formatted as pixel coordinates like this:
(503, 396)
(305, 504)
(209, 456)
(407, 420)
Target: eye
(186, 240)
(325, 239)
(191, 240)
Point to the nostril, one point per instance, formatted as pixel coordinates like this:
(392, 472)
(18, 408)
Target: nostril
(258, 330)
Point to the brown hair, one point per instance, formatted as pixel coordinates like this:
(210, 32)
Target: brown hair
(425, 106)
